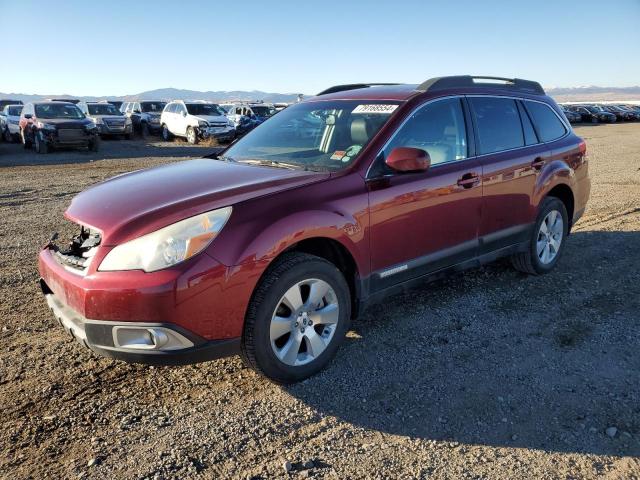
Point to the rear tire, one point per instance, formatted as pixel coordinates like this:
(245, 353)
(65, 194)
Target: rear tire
(144, 130)
(304, 348)
(547, 239)
(7, 136)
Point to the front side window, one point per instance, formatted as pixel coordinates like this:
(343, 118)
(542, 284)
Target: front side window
(498, 124)
(438, 128)
(318, 136)
(547, 123)
(58, 110)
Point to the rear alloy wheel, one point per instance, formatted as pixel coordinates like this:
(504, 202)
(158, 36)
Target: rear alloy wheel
(547, 241)
(297, 318)
(192, 136)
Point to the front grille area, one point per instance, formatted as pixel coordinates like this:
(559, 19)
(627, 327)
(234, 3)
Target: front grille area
(79, 252)
(114, 122)
(71, 134)
(217, 125)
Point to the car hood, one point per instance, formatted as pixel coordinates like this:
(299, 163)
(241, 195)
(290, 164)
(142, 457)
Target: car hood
(212, 118)
(143, 201)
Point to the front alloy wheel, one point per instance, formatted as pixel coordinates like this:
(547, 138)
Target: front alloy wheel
(192, 136)
(298, 315)
(304, 322)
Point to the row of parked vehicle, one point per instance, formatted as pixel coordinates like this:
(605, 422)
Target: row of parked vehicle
(67, 122)
(601, 113)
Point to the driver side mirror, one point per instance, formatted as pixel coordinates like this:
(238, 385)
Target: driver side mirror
(184, 114)
(408, 159)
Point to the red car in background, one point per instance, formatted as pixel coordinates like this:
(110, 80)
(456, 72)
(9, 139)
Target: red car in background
(272, 247)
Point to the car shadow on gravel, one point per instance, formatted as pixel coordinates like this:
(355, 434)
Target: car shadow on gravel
(495, 357)
(15, 155)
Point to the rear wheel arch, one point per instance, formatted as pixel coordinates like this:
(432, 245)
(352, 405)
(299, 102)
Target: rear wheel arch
(564, 193)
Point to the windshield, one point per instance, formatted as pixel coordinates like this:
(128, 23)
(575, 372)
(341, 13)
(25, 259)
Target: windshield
(152, 106)
(322, 136)
(103, 109)
(58, 110)
(14, 110)
(595, 109)
(262, 111)
(208, 109)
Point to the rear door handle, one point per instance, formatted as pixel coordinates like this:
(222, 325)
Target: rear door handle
(468, 180)
(538, 163)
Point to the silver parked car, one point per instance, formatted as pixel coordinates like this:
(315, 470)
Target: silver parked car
(108, 119)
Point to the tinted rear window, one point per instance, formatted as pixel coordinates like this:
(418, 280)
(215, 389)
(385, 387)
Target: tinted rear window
(498, 123)
(547, 123)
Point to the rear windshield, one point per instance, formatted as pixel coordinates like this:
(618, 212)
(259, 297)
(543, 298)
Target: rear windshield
(58, 110)
(103, 109)
(152, 106)
(208, 109)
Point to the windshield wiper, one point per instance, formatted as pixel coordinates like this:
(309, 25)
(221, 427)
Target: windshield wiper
(274, 163)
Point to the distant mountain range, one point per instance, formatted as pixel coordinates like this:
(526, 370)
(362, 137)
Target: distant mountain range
(590, 93)
(170, 94)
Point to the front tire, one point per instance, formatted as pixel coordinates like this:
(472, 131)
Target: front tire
(39, 145)
(94, 145)
(547, 240)
(166, 134)
(192, 136)
(297, 318)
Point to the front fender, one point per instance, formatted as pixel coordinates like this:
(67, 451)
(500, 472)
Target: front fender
(281, 235)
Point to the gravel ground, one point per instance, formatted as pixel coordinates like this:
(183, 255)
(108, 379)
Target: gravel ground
(489, 374)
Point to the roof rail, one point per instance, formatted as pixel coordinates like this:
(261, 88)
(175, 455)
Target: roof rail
(473, 81)
(352, 86)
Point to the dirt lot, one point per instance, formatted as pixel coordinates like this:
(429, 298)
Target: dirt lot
(490, 374)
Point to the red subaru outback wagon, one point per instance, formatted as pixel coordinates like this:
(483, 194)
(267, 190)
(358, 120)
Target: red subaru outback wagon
(270, 248)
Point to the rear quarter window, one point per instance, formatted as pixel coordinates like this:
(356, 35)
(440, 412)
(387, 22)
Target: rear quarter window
(498, 124)
(547, 123)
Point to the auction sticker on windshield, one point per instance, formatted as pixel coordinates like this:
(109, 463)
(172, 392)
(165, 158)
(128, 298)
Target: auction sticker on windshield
(374, 108)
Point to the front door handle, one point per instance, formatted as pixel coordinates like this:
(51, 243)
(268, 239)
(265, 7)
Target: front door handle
(468, 180)
(538, 163)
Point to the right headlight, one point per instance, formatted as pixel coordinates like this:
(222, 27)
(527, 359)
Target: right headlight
(169, 245)
(202, 124)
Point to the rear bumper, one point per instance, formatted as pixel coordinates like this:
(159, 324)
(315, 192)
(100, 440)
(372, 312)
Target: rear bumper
(102, 338)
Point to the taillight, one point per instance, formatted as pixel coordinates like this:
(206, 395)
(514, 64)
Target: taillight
(582, 147)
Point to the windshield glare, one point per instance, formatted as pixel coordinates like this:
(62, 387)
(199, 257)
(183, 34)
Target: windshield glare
(58, 110)
(103, 109)
(323, 136)
(207, 109)
(152, 106)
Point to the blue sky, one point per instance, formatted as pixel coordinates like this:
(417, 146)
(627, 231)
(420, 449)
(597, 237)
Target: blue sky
(119, 47)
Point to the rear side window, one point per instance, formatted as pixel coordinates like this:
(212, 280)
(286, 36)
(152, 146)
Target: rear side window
(498, 124)
(547, 123)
